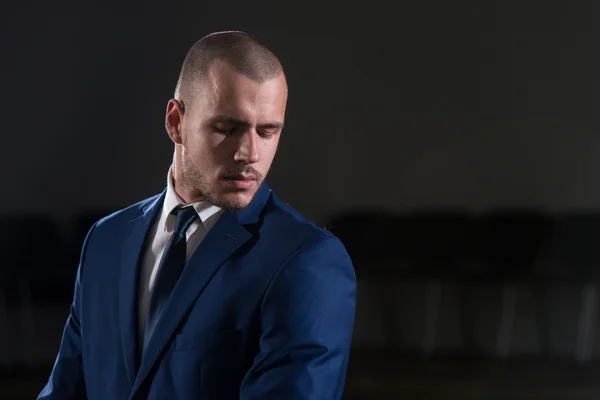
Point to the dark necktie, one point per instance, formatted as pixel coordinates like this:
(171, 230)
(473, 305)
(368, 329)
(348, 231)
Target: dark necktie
(170, 268)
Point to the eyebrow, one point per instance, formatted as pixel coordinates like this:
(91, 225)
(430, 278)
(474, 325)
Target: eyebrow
(234, 121)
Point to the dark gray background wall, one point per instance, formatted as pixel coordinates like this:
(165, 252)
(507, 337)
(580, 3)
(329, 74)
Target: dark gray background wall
(430, 104)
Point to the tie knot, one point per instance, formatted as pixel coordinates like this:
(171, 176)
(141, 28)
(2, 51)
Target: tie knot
(185, 217)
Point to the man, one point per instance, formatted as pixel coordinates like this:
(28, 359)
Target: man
(214, 289)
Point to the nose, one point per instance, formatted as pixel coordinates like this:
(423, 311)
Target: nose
(247, 151)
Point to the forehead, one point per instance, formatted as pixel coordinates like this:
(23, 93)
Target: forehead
(225, 91)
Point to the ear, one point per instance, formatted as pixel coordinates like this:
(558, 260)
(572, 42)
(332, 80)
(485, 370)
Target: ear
(173, 120)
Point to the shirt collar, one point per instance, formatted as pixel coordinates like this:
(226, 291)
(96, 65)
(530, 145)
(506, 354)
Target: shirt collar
(207, 213)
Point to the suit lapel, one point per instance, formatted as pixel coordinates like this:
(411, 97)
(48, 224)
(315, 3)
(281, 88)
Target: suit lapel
(133, 249)
(222, 240)
(228, 235)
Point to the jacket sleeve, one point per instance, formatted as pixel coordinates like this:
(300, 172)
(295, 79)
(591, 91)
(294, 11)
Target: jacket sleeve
(67, 379)
(307, 322)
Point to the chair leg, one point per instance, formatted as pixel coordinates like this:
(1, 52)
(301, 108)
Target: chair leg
(388, 289)
(510, 296)
(466, 319)
(434, 300)
(541, 318)
(27, 322)
(5, 353)
(587, 320)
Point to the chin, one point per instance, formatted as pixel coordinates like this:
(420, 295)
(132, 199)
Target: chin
(235, 201)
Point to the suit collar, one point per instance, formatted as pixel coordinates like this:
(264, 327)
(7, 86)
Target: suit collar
(252, 213)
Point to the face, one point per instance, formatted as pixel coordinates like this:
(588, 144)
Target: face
(226, 138)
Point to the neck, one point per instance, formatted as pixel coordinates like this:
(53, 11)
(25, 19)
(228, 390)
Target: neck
(184, 195)
(186, 192)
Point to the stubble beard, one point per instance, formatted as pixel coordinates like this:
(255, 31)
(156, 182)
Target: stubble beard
(197, 183)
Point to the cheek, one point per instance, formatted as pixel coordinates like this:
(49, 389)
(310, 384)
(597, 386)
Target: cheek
(271, 148)
(197, 155)
(267, 156)
(204, 146)
(221, 149)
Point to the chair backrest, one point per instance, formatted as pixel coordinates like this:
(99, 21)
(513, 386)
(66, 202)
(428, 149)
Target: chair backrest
(33, 250)
(575, 245)
(510, 240)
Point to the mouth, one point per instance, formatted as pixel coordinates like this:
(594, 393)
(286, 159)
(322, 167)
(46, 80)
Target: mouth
(240, 181)
(241, 177)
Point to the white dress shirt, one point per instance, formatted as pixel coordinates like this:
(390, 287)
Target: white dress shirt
(158, 238)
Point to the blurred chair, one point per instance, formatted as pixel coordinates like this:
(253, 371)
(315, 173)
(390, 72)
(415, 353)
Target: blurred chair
(572, 257)
(507, 243)
(33, 250)
(365, 234)
(402, 263)
(433, 242)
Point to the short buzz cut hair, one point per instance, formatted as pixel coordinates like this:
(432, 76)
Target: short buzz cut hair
(242, 52)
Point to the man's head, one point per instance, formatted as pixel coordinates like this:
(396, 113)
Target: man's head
(226, 119)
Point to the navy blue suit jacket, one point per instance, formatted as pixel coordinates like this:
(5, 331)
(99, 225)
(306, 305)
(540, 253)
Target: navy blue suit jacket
(263, 310)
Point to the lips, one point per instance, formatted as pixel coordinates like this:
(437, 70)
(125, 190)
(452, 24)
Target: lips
(240, 182)
(241, 177)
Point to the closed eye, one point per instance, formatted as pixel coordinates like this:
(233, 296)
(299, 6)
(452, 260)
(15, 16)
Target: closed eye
(225, 131)
(267, 133)
(226, 128)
